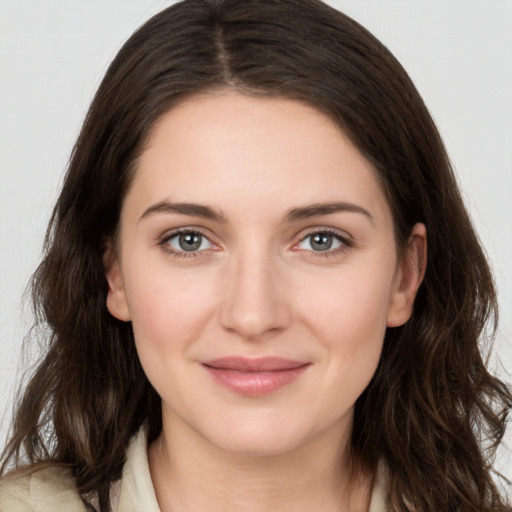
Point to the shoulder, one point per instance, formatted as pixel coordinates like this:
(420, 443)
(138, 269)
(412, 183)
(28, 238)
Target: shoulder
(50, 489)
(380, 489)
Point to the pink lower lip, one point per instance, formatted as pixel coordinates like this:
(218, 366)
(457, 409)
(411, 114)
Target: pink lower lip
(255, 383)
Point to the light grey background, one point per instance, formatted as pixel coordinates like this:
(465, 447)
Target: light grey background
(53, 54)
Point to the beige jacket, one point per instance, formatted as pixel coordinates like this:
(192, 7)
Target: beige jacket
(53, 489)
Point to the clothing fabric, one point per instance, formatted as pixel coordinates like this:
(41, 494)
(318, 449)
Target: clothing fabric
(54, 490)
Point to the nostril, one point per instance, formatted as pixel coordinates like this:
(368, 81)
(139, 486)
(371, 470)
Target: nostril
(254, 320)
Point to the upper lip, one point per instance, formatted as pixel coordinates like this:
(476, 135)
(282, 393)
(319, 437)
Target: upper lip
(261, 364)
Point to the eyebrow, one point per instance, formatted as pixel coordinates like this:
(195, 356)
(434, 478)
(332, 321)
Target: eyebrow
(319, 209)
(293, 215)
(192, 209)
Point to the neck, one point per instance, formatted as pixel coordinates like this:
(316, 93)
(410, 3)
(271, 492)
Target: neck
(190, 475)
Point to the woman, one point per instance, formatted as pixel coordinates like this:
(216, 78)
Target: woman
(242, 309)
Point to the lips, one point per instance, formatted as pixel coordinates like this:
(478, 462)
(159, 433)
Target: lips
(254, 377)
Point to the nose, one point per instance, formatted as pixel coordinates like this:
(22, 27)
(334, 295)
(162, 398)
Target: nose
(255, 305)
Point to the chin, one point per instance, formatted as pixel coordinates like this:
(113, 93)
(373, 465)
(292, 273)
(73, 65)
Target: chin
(258, 445)
(264, 438)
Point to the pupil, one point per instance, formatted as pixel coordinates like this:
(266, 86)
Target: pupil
(321, 242)
(190, 241)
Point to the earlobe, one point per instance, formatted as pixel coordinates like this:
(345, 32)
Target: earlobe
(409, 276)
(116, 297)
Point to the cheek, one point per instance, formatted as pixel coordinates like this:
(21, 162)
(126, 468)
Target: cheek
(168, 311)
(349, 319)
(353, 300)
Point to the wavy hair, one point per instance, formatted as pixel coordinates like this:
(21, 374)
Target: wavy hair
(432, 412)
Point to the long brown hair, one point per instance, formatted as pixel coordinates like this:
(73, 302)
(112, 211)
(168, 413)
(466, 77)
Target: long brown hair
(432, 412)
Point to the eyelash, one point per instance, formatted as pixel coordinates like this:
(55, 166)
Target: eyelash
(164, 242)
(345, 241)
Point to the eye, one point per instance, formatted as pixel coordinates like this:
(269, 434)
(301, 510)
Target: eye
(187, 242)
(322, 241)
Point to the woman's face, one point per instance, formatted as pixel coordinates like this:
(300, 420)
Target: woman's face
(257, 262)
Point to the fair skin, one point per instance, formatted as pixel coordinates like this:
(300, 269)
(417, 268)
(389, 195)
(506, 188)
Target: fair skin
(291, 254)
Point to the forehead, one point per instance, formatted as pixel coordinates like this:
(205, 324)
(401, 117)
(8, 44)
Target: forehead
(234, 150)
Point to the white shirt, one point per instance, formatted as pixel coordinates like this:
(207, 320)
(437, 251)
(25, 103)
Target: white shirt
(54, 490)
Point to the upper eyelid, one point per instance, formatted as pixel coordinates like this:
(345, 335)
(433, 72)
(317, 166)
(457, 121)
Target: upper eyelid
(170, 234)
(341, 234)
(187, 229)
(302, 235)
(345, 239)
(163, 242)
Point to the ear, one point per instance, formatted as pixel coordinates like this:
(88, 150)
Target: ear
(408, 277)
(116, 297)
